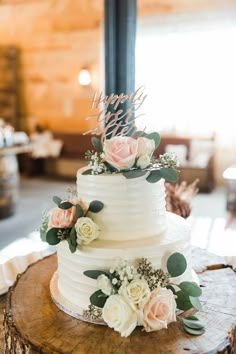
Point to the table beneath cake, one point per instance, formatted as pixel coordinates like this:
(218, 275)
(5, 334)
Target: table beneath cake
(34, 324)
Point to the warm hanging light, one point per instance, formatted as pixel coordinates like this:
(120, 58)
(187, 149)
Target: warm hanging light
(84, 77)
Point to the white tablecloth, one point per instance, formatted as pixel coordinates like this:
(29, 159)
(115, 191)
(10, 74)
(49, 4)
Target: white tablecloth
(16, 257)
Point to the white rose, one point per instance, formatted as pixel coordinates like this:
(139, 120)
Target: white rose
(143, 161)
(104, 283)
(136, 292)
(86, 230)
(119, 315)
(145, 146)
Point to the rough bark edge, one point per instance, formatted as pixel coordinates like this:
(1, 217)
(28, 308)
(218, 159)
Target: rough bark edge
(14, 342)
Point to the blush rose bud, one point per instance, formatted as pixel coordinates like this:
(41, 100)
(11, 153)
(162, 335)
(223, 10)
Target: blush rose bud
(143, 161)
(104, 284)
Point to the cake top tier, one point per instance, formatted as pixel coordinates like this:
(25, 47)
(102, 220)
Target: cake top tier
(133, 208)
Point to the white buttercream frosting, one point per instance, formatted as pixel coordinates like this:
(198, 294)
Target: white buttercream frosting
(133, 208)
(102, 254)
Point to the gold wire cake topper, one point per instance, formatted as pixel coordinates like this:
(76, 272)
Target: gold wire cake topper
(112, 117)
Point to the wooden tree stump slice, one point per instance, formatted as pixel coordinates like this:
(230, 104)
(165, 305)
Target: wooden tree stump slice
(34, 324)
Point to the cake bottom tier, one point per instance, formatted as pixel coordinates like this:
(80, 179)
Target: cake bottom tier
(72, 289)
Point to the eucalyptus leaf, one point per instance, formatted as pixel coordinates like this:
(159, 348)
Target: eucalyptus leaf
(95, 206)
(97, 144)
(154, 176)
(191, 288)
(192, 318)
(56, 200)
(72, 247)
(193, 324)
(195, 332)
(98, 299)
(43, 232)
(139, 133)
(171, 288)
(65, 205)
(51, 236)
(195, 302)
(87, 172)
(182, 301)
(176, 264)
(134, 174)
(154, 136)
(94, 274)
(110, 167)
(79, 211)
(169, 174)
(73, 236)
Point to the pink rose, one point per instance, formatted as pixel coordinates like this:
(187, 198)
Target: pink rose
(145, 146)
(159, 310)
(121, 152)
(62, 218)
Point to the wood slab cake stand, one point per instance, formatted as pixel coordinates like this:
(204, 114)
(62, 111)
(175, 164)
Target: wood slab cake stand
(34, 324)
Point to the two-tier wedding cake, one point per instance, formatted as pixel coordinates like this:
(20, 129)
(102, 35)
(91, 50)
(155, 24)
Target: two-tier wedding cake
(133, 225)
(122, 259)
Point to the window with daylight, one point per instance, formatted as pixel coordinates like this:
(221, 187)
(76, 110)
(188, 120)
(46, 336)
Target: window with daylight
(187, 64)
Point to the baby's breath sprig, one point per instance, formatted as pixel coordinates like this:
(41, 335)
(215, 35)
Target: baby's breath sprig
(123, 274)
(92, 314)
(96, 160)
(45, 217)
(154, 277)
(167, 160)
(44, 225)
(72, 192)
(89, 154)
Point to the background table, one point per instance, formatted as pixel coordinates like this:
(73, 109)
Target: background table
(9, 178)
(33, 324)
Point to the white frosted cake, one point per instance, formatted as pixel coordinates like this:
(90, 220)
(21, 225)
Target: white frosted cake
(122, 259)
(134, 224)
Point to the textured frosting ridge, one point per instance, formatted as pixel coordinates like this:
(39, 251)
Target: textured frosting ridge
(133, 208)
(101, 254)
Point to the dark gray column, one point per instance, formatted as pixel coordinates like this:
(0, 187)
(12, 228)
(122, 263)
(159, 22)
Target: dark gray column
(120, 34)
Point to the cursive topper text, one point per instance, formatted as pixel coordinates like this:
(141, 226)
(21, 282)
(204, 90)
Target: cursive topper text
(111, 117)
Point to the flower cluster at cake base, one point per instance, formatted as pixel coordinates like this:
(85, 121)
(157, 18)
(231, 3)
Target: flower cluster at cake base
(132, 156)
(70, 220)
(140, 295)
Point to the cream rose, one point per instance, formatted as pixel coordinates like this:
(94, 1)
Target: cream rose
(86, 230)
(62, 218)
(119, 315)
(104, 284)
(145, 146)
(136, 292)
(159, 310)
(121, 152)
(143, 161)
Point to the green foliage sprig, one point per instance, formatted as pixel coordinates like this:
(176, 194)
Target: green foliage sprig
(164, 167)
(186, 293)
(55, 235)
(193, 325)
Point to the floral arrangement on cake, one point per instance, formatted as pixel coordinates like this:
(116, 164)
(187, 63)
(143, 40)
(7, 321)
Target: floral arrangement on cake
(70, 220)
(132, 156)
(129, 296)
